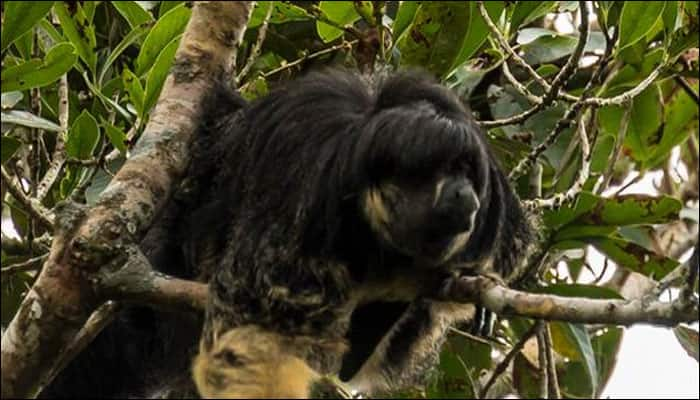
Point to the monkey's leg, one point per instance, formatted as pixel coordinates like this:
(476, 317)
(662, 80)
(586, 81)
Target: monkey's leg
(249, 362)
(411, 347)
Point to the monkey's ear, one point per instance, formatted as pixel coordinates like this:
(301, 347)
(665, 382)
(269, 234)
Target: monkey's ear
(413, 87)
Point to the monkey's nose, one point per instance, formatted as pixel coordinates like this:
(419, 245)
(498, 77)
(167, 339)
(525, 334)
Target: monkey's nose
(458, 205)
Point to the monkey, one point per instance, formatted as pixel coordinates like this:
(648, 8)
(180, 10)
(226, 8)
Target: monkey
(324, 216)
(341, 207)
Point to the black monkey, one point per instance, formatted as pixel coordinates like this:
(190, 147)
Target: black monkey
(342, 208)
(324, 216)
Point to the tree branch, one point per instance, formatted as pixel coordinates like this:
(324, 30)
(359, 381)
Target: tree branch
(503, 365)
(59, 153)
(30, 204)
(553, 89)
(509, 302)
(255, 51)
(63, 297)
(561, 198)
(552, 378)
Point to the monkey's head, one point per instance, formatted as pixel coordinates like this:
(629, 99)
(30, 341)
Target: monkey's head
(427, 172)
(250, 363)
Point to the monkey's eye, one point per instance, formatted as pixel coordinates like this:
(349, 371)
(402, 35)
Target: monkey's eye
(230, 358)
(461, 166)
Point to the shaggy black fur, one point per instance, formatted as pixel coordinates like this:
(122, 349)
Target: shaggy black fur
(280, 231)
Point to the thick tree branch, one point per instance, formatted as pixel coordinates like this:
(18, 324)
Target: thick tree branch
(64, 296)
(509, 302)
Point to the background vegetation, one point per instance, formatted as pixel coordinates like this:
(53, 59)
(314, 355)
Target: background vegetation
(578, 105)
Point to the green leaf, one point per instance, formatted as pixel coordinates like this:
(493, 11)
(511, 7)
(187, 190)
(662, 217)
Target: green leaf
(430, 40)
(80, 32)
(281, 13)
(133, 36)
(83, 136)
(19, 17)
(28, 119)
(167, 28)
(37, 73)
(644, 131)
(672, 17)
(528, 11)
(593, 217)
(478, 31)
(637, 209)
(461, 361)
(255, 89)
(526, 378)
(606, 345)
(548, 48)
(134, 14)
(688, 338)
(158, 74)
(404, 17)
(10, 99)
(341, 12)
(572, 341)
(637, 20)
(116, 136)
(682, 40)
(23, 44)
(132, 84)
(166, 6)
(586, 202)
(681, 118)
(71, 178)
(579, 232)
(100, 181)
(9, 146)
(635, 257)
(601, 153)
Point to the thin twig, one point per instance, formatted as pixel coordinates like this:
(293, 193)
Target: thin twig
(378, 21)
(571, 194)
(503, 365)
(59, 155)
(309, 57)
(687, 88)
(690, 268)
(532, 98)
(553, 89)
(630, 94)
(554, 391)
(617, 150)
(28, 265)
(569, 68)
(255, 51)
(30, 204)
(542, 359)
(318, 14)
(504, 44)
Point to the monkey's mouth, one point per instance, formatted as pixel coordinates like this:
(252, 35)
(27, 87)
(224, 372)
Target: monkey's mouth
(435, 246)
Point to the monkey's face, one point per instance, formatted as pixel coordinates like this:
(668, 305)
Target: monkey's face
(250, 363)
(428, 216)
